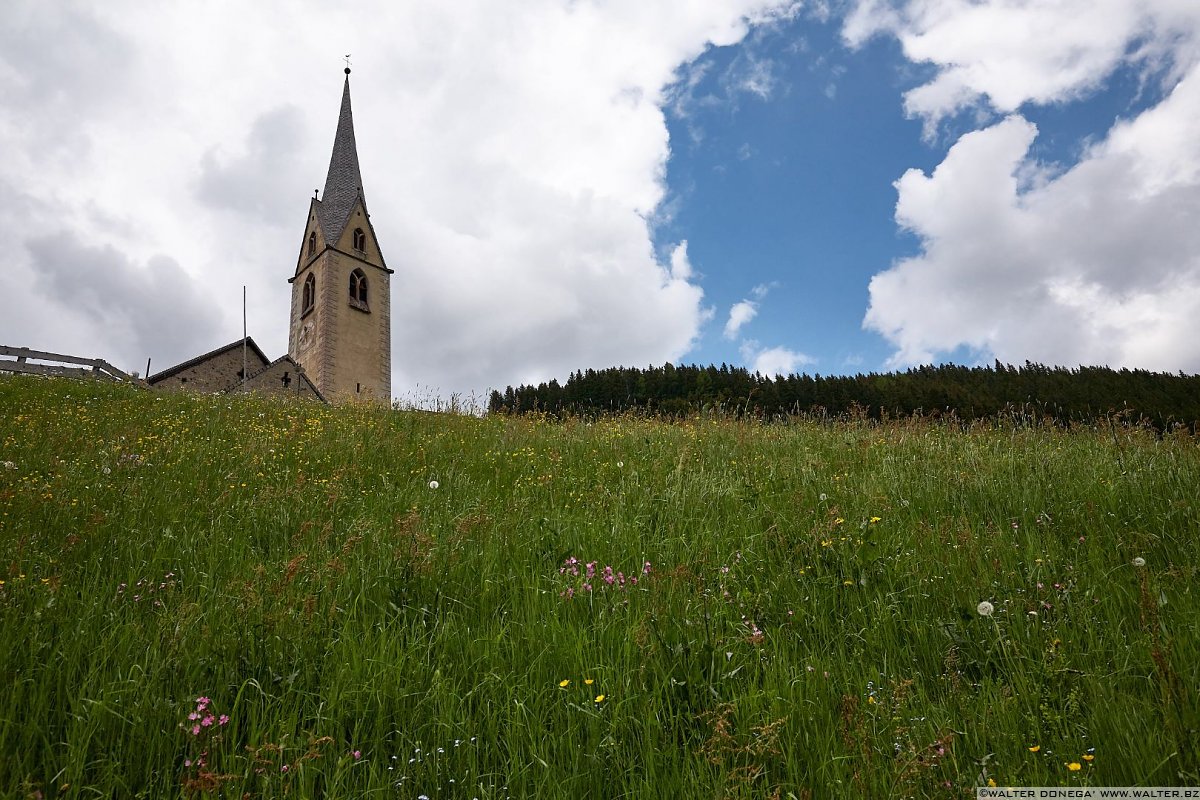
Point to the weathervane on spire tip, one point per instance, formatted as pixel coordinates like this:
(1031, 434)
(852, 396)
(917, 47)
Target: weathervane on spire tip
(347, 57)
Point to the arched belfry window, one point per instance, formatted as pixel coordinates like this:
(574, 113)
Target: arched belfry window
(308, 297)
(360, 240)
(358, 290)
(312, 243)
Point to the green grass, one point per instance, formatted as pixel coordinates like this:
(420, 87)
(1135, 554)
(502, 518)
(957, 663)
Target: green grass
(808, 626)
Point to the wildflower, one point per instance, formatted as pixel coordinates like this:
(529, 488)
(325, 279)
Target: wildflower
(1035, 748)
(564, 683)
(434, 484)
(875, 519)
(1074, 766)
(985, 609)
(208, 721)
(620, 464)
(991, 781)
(1139, 562)
(196, 730)
(224, 720)
(599, 698)
(357, 754)
(1088, 757)
(646, 568)
(588, 681)
(823, 497)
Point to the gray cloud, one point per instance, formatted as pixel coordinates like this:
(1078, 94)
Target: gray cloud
(254, 181)
(155, 310)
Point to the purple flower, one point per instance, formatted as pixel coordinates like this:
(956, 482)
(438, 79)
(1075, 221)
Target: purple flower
(224, 720)
(646, 568)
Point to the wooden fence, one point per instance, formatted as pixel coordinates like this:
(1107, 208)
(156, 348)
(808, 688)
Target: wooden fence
(22, 359)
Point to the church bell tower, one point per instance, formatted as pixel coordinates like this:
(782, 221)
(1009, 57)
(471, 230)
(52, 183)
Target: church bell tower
(340, 329)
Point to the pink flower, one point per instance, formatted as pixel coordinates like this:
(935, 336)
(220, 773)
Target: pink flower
(193, 716)
(187, 762)
(646, 568)
(357, 754)
(224, 720)
(283, 768)
(208, 721)
(591, 569)
(195, 730)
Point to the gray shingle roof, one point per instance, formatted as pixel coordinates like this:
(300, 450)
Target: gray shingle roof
(343, 184)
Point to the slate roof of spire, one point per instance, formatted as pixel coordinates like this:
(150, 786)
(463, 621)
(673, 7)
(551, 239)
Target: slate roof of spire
(343, 184)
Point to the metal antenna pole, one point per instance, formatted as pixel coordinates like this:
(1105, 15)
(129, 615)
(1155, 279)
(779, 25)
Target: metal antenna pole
(244, 338)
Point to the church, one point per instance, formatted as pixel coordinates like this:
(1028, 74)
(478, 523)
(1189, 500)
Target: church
(339, 329)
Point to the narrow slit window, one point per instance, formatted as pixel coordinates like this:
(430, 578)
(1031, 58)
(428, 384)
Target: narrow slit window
(309, 296)
(312, 243)
(358, 290)
(360, 240)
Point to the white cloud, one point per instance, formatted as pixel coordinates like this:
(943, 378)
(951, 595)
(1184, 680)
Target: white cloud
(1095, 262)
(740, 313)
(513, 158)
(774, 361)
(1098, 265)
(1005, 54)
(743, 311)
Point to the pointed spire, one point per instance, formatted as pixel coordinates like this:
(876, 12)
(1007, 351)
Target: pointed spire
(343, 184)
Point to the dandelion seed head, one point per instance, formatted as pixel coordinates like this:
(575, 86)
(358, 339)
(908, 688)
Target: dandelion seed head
(985, 609)
(434, 484)
(1139, 562)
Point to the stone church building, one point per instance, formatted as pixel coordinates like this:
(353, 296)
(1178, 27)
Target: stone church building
(339, 331)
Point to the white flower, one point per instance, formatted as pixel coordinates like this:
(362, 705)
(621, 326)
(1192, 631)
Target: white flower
(9, 465)
(434, 484)
(985, 609)
(620, 464)
(823, 497)
(1139, 562)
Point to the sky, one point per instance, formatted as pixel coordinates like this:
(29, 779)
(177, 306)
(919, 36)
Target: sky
(829, 186)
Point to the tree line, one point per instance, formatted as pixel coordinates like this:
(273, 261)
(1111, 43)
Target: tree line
(1083, 394)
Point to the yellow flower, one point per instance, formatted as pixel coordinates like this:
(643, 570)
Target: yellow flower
(838, 521)
(847, 583)
(564, 683)
(875, 519)
(1035, 748)
(588, 681)
(1074, 766)
(1088, 757)
(991, 781)
(599, 698)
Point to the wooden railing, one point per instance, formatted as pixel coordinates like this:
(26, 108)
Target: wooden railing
(21, 359)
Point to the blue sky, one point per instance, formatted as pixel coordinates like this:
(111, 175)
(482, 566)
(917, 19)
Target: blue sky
(829, 186)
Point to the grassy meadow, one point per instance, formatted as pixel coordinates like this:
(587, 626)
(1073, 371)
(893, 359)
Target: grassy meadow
(240, 597)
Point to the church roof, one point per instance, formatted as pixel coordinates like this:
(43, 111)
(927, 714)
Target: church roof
(343, 183)
(175, 370)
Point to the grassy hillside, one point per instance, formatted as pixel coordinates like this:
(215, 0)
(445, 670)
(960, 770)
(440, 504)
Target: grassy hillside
(240, 597)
